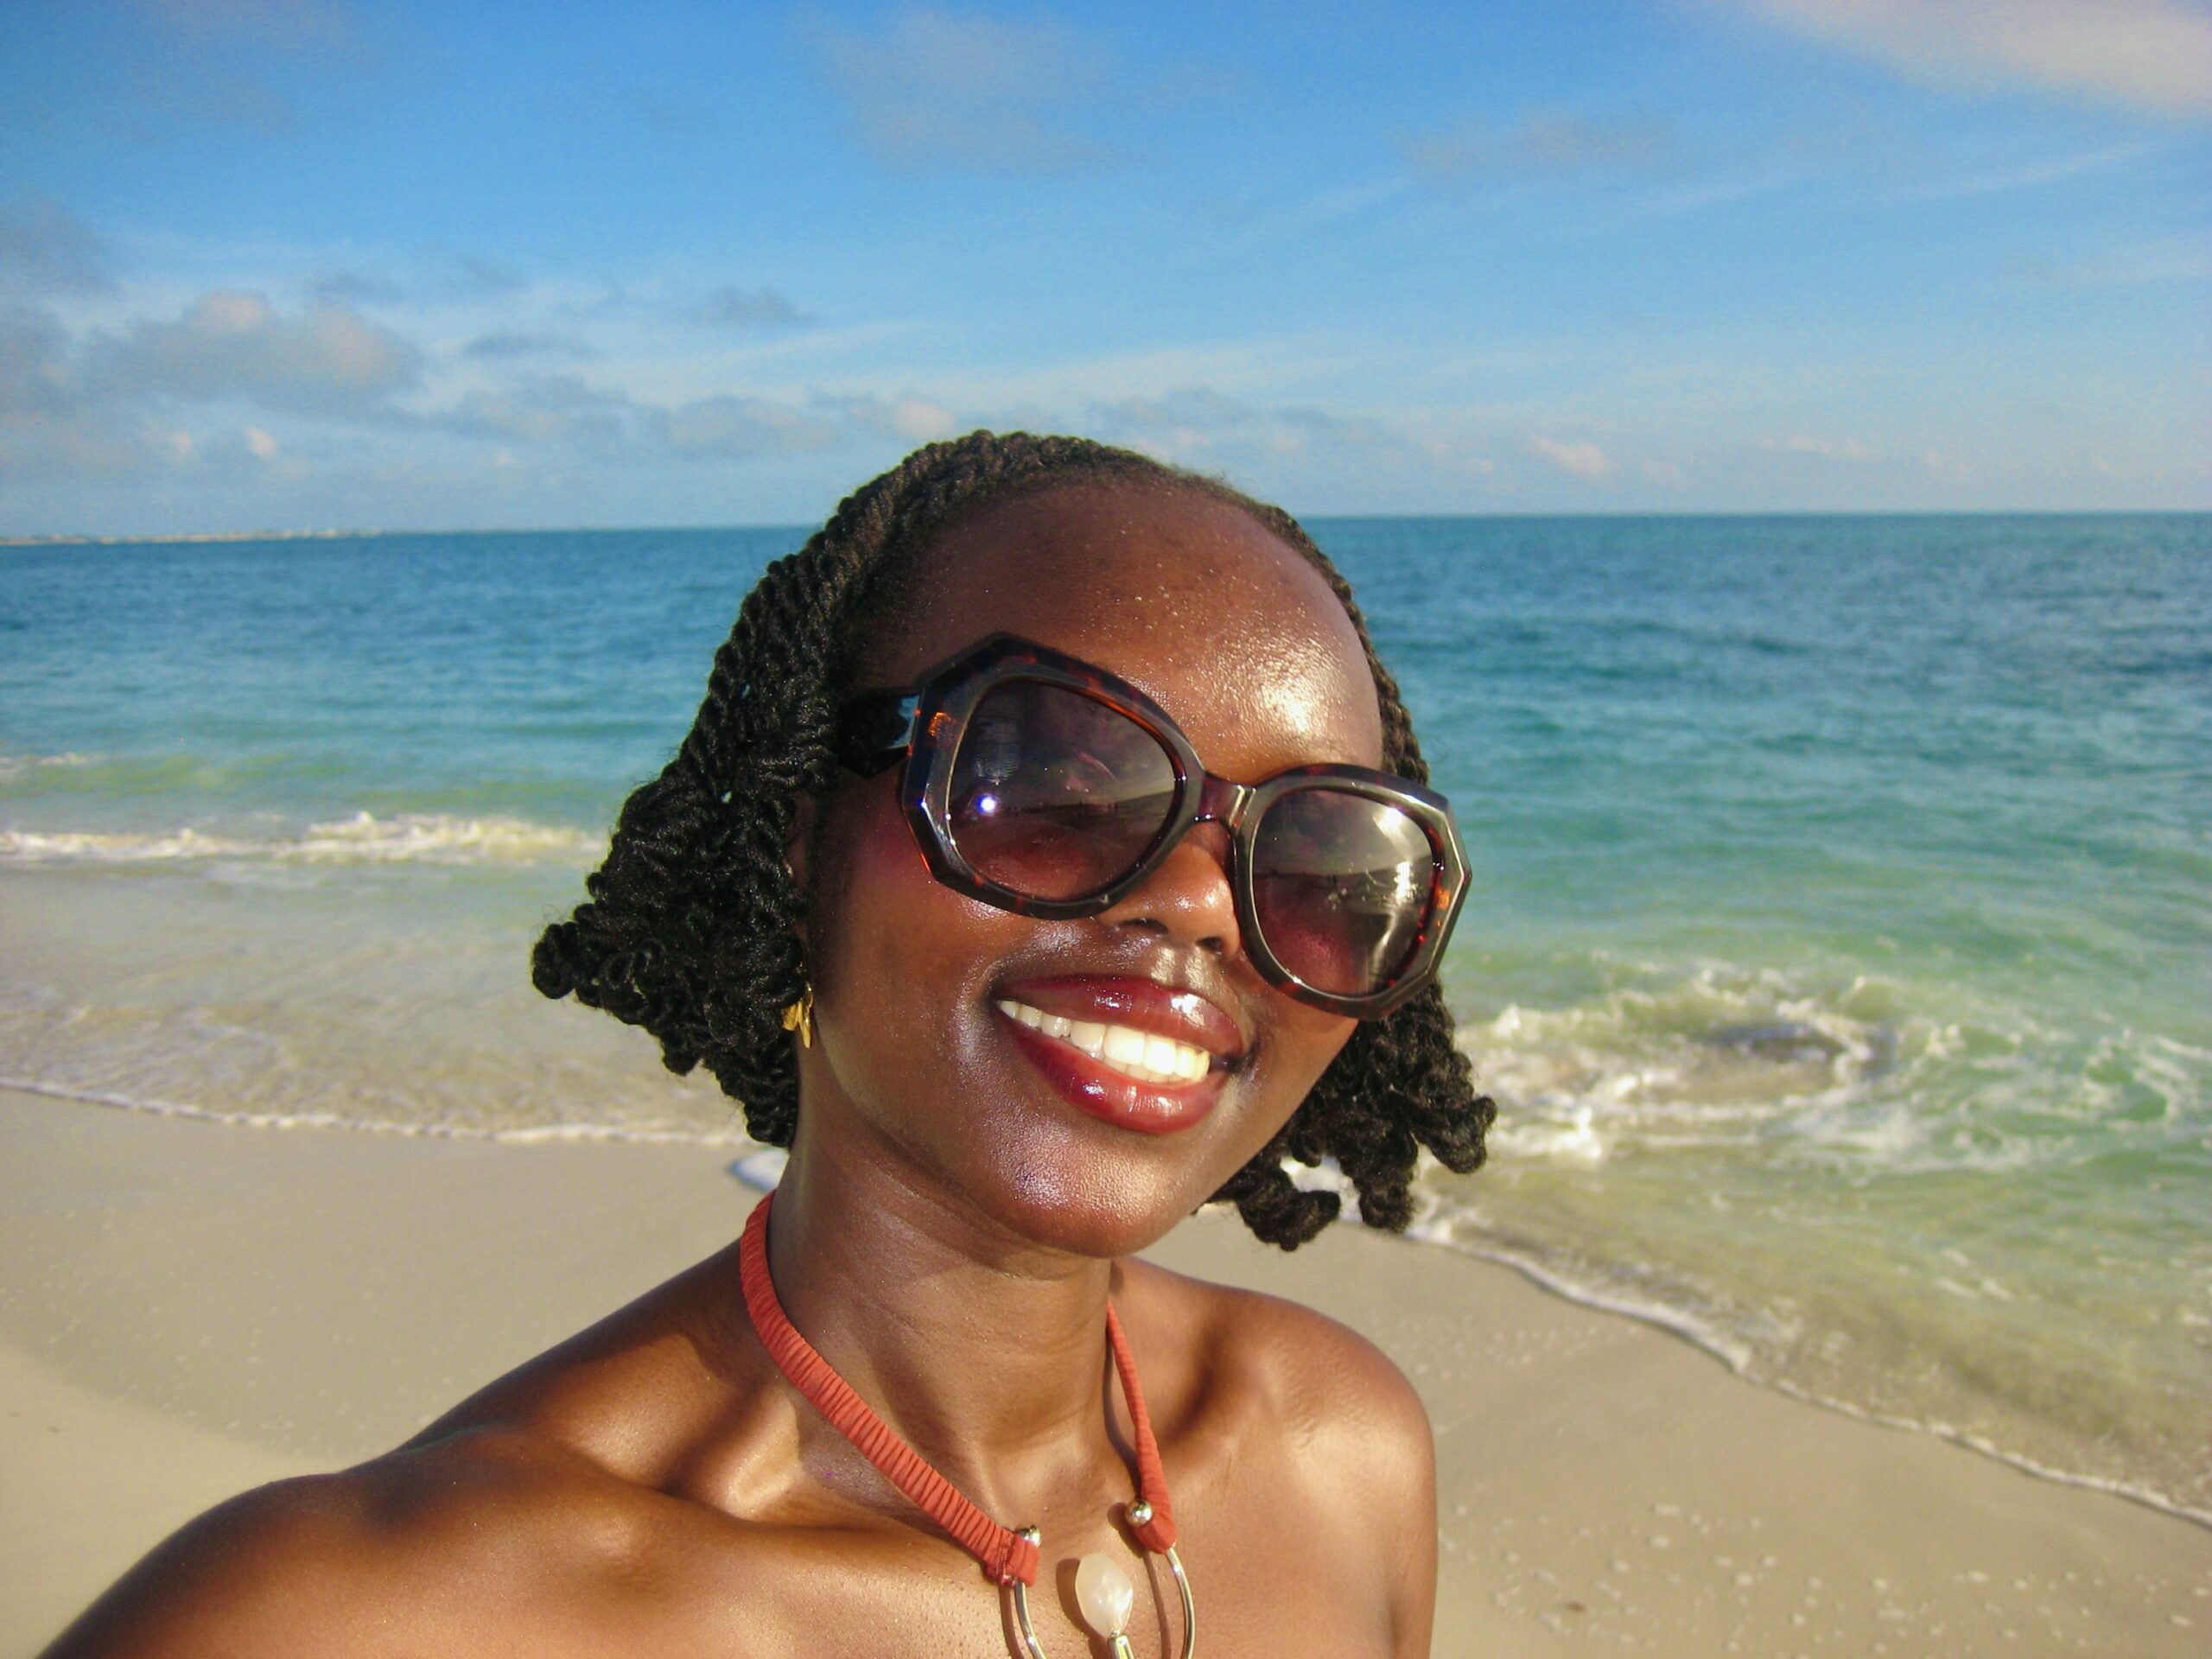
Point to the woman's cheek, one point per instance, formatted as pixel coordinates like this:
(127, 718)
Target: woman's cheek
(1308, 1040)
(894, 949)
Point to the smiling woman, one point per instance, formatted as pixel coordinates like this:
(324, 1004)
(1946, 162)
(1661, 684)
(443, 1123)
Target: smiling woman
(1050, 857)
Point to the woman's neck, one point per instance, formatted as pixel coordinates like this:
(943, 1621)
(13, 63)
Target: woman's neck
(986, 1353)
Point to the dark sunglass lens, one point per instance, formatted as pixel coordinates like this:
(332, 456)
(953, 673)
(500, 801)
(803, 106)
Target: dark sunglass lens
(1341, 886)
(1055, 795)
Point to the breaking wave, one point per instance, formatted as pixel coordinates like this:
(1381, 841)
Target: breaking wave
(13, 766)
(405, 838)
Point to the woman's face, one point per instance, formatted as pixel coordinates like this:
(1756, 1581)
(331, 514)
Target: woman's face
(917, 1060)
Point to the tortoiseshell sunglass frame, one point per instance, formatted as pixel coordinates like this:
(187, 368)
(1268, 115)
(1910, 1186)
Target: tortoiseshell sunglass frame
(922, 725)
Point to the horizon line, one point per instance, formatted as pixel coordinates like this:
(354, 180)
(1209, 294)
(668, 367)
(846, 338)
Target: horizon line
(373, 532)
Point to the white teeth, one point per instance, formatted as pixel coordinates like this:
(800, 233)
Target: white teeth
(1139, 1054)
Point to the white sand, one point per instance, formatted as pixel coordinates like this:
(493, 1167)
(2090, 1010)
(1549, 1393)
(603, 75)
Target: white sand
(191, 1309)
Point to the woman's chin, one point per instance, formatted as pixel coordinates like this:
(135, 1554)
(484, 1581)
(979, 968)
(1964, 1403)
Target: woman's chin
(1085, 1213)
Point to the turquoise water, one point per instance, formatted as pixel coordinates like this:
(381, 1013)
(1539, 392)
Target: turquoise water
(1840, 952)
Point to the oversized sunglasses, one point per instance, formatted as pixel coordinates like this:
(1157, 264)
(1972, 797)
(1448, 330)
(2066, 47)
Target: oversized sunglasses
(1045, 786)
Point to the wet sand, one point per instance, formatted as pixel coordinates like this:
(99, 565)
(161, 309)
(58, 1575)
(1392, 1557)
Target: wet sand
(190, 1309)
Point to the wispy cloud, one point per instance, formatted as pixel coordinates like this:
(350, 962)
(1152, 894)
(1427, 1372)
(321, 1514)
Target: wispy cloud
(217, 62)
(33, 344)
(1800, 444)
(1947, 467)
(1199, 424)
(932, 87)
(2158, 259)
(2026, 176)
(731, 307)
(286, 25)
(1321, 212)
(502, 346)
(355, 287)
(472, 275)
(2154, 55)
(542, 409)
(46, 249)
(1540, 142)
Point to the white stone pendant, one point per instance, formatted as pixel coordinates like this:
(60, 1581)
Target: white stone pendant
(1105, 1595)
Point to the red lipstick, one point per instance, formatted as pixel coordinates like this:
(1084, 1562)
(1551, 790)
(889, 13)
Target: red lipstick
(1077, 1007)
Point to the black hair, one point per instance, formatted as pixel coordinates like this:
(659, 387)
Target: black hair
(691, 927)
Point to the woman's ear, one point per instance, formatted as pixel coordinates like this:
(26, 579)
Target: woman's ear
(798, 850)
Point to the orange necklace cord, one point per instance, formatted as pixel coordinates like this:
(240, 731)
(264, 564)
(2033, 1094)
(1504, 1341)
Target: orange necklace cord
(1007, 1556)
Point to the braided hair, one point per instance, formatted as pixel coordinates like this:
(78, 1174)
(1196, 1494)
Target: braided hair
(691, 928)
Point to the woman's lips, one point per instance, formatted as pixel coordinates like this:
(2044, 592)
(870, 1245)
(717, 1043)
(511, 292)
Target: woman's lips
(1140, 1004)
(1136, 1054)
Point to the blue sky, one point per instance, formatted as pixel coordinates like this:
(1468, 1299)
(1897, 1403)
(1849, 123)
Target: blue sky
(290, 265)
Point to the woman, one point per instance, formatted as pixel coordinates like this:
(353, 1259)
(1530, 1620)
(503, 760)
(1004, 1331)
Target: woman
(1003, 1068)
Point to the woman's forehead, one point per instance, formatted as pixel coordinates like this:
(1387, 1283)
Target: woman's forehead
(1184, 595)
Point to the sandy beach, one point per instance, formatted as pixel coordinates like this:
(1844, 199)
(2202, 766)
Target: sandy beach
(193, 1308)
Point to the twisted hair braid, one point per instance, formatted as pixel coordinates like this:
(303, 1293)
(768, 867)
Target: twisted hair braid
(690, 926)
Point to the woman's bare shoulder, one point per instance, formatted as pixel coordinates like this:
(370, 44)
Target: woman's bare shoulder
(410, 1552)
(1320, 1384)
(1312, 1439)
(538, 1505)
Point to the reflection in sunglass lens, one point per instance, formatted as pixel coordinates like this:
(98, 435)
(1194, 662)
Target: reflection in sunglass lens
(1055, 795)
(1341, 886)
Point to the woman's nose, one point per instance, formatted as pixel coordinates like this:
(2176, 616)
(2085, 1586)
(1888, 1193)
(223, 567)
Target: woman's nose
(1187, 896)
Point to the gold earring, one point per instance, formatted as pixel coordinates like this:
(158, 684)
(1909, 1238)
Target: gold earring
(799, 1017)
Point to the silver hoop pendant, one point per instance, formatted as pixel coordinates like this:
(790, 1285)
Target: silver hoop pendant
(1032, 1648)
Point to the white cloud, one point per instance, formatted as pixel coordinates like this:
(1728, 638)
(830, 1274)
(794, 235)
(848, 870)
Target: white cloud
(2155, 54)
(265, 448)
(1665, 474)
(918, 421)
(936, 86)
(1585, 459)
(230, 344)
(730, 429)
(913, 419)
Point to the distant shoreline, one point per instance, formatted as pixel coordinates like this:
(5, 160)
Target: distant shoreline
(203, 536)
(370, 534)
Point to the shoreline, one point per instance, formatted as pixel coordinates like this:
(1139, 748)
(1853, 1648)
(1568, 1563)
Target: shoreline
(1663, 1320)
(191, 1311)
(1684, 1330)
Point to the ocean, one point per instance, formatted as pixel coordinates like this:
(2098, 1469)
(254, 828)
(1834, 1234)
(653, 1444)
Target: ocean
(1840, 951)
